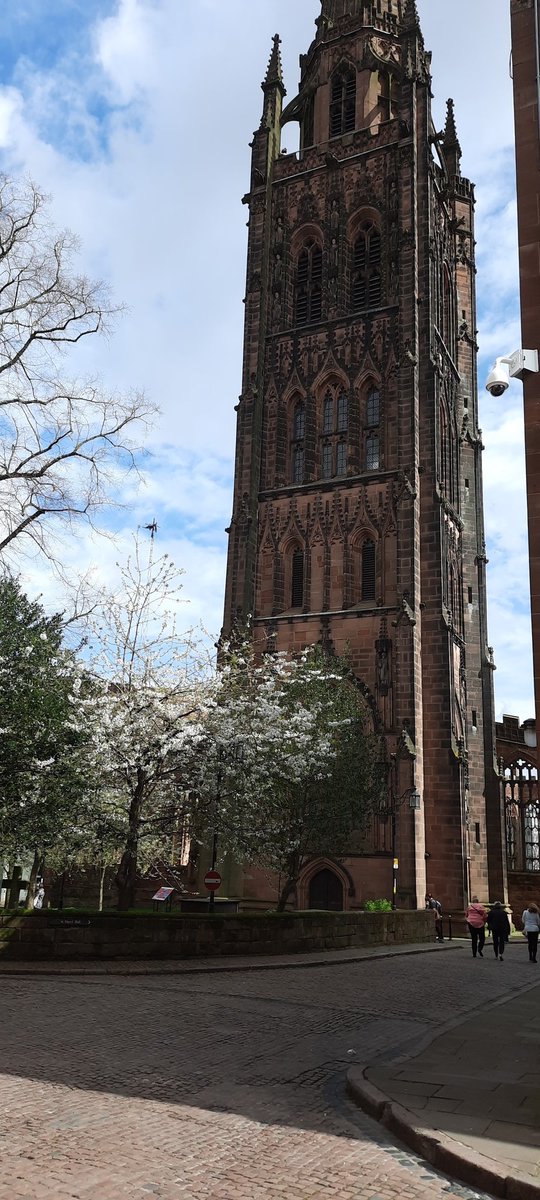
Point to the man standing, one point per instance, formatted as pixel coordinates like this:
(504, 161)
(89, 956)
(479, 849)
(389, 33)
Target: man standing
(436, 906)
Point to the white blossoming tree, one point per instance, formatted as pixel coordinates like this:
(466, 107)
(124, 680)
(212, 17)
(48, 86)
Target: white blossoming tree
(149, 680)
(284, 762)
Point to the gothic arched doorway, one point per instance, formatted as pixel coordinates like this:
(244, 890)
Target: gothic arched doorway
(326, 891)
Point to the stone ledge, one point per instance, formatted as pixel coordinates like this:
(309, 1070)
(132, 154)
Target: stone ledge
(49, 936)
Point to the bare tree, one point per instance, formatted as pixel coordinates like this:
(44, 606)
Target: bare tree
(63, 444)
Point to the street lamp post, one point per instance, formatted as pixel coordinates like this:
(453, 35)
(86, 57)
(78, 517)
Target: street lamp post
(391, 809)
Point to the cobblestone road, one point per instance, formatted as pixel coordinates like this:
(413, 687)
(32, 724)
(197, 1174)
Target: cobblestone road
(220, 1087)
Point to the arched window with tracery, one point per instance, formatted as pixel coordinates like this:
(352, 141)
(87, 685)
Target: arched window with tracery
(522, 813)
(297, 579)
(366, 273)
(343, 101)
(308, 293)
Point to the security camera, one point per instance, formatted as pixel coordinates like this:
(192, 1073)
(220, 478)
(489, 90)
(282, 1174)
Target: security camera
(498, 382)
(510, 366)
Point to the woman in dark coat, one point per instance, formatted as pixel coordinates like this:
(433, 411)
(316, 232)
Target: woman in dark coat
(499, 925)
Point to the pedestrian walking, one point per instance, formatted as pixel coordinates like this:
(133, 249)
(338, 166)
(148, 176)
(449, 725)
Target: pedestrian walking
(531, 927)
(476, 918)
(500, 928)
(436, 906)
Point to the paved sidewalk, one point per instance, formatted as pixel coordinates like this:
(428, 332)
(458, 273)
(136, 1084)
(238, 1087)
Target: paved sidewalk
(199, 966)
(470, 1100)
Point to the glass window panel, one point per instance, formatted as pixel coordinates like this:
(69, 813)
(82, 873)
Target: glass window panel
(327, 460)
(343, 413)
(373, 408)
(341, 458)
(372, 452)
(328, 414)
(299, 422)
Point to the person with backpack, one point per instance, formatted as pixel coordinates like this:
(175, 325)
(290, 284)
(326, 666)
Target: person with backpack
(531, 928)
(436, 906)
(476, 918)
(499, 925)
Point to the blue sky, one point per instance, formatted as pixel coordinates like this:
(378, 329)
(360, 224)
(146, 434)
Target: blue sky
(135, 115)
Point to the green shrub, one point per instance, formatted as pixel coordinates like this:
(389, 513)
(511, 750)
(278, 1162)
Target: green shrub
(377, 906)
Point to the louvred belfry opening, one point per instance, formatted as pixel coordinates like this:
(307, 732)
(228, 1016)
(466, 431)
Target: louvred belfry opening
(343, 101)
(309, 284)
(367, 292)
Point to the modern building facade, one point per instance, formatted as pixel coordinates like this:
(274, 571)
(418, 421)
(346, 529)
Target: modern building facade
(357, 515)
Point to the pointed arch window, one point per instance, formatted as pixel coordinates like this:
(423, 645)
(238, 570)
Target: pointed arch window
(297, 579)
(368, 570)
(333, 428)
(343, 101)
(366, 280)
(308, 299)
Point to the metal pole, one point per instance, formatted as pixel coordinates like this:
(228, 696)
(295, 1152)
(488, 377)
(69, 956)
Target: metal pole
(394, 860)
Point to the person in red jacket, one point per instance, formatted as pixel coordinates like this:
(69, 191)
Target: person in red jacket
(476, 918)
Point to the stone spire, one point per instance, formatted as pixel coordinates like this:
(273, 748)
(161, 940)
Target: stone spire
(450, 141)
(410, 18)
(274, 73)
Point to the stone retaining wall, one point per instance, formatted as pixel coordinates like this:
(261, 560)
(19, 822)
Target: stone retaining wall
(56, 935)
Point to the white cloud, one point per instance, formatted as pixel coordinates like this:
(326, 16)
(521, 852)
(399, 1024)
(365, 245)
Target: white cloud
(140, 128)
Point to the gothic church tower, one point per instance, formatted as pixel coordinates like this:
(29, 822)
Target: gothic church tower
(357, 518)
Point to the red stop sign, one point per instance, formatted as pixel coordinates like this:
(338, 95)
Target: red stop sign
(212, 881)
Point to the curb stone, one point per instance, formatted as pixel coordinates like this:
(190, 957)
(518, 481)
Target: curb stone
(447, 1154)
